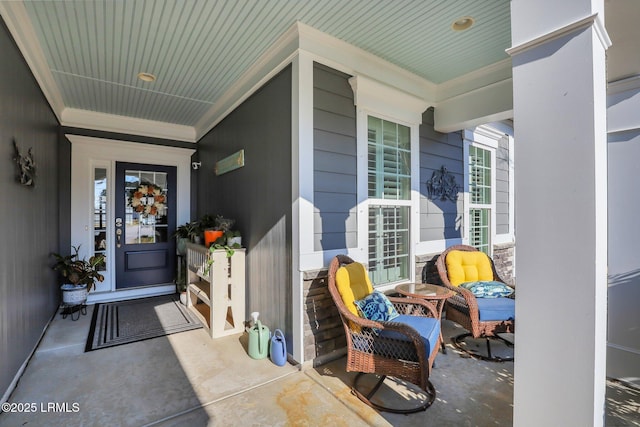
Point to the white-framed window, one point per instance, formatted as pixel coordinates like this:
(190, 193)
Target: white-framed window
(387, 121)
(389, 194)
(481, 203)
(489, 186)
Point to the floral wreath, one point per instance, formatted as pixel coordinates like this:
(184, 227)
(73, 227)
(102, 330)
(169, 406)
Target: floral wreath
(147, 200)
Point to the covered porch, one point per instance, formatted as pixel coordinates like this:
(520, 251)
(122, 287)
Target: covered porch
(298, 98)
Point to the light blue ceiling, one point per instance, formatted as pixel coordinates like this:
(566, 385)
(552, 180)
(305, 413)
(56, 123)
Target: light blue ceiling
(198, 49)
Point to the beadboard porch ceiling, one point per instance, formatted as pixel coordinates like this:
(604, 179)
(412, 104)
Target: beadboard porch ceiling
(86, 55)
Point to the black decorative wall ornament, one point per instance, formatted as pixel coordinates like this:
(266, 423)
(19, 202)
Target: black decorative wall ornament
(26, 166)
(442, 185)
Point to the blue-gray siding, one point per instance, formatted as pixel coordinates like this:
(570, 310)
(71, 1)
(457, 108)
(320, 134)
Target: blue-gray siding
(257, 196)
(334, 158)
(29, 217)
(440, 219)
(502, 186)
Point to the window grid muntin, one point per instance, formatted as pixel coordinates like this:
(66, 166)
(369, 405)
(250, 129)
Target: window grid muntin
(480, 229)
(388, 243)
(479, 175)
(480, 201)
(388, 160)
(141, 229)
(100, 239)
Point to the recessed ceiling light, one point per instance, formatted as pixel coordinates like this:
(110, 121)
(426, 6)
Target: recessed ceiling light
(463, 23)
(147, 77)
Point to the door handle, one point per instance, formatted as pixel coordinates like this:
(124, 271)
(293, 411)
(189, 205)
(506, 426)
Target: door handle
(118, 232)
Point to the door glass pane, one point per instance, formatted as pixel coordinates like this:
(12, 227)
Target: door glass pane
(100, 213)
(145, 207)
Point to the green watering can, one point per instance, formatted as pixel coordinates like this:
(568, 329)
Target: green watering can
(259, 341)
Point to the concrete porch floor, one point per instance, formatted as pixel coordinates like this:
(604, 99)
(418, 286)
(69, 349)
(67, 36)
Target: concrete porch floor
(187, 379)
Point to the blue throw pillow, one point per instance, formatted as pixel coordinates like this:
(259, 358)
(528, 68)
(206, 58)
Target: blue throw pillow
(376, 306)
(488, 289)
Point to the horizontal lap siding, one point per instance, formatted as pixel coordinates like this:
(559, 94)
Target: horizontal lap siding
(439, 219)
(257, 195)
(502, 186)
(334, 160)
(334, 199)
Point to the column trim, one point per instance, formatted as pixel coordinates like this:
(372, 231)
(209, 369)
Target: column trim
(579, 25)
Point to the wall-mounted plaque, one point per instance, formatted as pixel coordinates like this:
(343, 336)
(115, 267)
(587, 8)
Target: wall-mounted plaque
(232, 162)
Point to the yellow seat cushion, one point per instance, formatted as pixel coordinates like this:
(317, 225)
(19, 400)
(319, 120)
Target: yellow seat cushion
(465, 266)
(353, 284)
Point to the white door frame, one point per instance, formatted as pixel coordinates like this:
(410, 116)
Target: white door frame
(88, 153)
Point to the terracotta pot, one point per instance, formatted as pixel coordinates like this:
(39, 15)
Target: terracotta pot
(211, 236)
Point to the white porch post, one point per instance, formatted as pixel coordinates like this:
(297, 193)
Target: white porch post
(559, 85)
(302, 188)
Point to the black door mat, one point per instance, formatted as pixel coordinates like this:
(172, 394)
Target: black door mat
(125, 322)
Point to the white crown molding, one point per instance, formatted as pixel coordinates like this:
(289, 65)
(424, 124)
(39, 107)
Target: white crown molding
(19, 24)
(73, 117)
(579, 25)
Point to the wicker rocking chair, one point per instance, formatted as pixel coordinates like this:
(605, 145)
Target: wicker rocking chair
(404, 348)
(480, 316)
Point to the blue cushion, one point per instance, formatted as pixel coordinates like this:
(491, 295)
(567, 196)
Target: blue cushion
(376, 306)
(427, 327)
(497, 308)
(488, 289)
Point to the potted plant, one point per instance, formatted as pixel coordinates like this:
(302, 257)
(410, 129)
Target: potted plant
(215, 228)
(184, 233)
(224, 224)
(207, 227)
(80, 274)
(234, 239)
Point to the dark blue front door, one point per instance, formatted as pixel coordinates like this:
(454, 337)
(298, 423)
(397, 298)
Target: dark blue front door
(144, 225)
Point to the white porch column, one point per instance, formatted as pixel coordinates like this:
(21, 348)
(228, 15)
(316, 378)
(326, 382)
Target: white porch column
(559, 86)
(302, 187)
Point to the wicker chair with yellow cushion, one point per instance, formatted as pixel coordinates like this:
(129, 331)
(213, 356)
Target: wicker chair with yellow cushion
(403, 346)
(464, 270)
